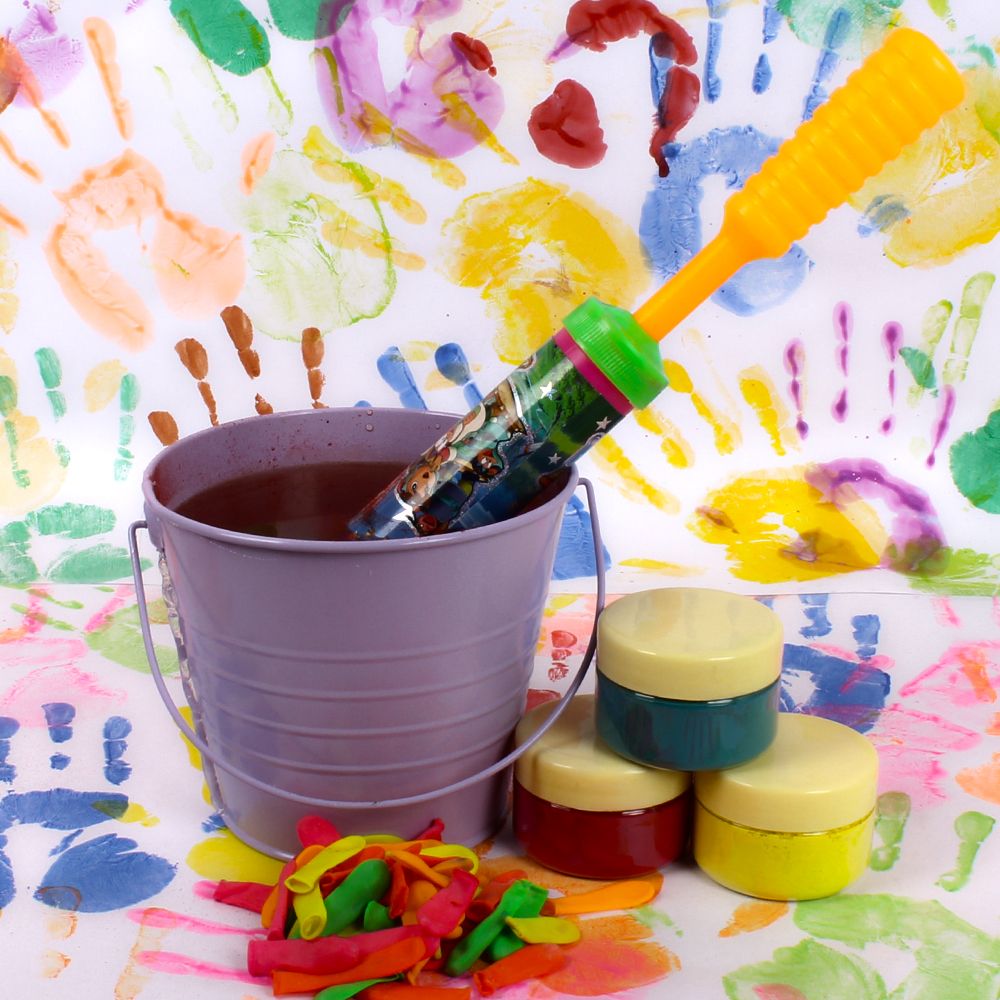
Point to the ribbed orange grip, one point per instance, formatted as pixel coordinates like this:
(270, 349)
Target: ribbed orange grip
(899, 91)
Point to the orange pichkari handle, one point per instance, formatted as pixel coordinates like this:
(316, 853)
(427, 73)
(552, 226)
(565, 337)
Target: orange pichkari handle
(899, 91)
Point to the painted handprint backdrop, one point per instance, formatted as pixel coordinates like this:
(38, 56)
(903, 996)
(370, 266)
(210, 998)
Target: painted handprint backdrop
(215, 208)
(283, 204)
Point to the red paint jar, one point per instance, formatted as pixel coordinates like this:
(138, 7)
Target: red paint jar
(582, 810)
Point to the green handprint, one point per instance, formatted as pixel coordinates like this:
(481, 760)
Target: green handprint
(953, 957)
(96, 563)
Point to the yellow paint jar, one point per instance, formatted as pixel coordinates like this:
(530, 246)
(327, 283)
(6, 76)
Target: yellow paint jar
(795, 822)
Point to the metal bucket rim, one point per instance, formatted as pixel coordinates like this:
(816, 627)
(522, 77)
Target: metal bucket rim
(315, 547)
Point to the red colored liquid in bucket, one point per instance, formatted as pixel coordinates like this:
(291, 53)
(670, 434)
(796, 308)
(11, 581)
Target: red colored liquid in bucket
(345, 671)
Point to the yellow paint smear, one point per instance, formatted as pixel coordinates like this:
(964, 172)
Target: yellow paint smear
(330, 163)
(536, 250)
(762, 396)
(777, 528)
(101, 40)
(753, 917)
(948, 181)
(662, 568)
(256, 159)
(379, 130)
(36, 458)
(609, 456)
(194, 756)
(25, 166)
(674, 445)
(725, 431)
(418, 350)
(222, 856)
(138, 814)
(10, 304)
(343, 230)
(464, 118)
(101, 384)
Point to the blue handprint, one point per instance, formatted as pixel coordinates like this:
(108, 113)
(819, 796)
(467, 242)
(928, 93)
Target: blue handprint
(104, 873)
(819, 682)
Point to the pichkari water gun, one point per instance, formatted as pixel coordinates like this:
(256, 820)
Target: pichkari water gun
(605, 361)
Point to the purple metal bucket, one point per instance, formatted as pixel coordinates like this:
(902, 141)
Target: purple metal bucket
(360, 681)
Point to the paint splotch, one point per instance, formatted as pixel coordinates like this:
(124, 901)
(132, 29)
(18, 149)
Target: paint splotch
(357, 100)
(808, 969)
(565, 127)
(535, 250)
(975, 464)
(225, 32)
(198, 268)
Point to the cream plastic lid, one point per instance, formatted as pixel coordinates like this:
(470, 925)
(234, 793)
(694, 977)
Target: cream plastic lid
(571, 766)
(689, 643)
(817, 775)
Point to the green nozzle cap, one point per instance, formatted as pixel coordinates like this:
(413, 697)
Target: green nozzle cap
(625, 353)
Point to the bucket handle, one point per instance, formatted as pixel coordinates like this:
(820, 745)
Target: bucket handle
(307, 800)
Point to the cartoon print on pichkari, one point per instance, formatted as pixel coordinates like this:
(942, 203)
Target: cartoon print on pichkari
(501, 455)
(575, 556)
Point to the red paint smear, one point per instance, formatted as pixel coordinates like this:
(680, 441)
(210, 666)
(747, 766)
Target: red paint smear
(156, 916)
(677, 104)
(595, 23)
(539, 696)
(476, 52)
(24, 698)
(960, 675)
(565, 127)
(778, 991)
(182, 965)
(103, 617)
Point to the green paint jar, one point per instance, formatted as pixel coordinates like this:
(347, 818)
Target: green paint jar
(688, 678)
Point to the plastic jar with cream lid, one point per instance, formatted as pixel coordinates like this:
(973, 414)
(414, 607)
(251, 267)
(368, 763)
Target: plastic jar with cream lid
(583, 810)
(687, 678)
(795, 822)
